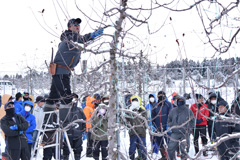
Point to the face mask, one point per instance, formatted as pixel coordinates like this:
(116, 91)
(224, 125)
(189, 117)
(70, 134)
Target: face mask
(161, 99)
(213, 101)
(135, 105)
(152, 99)
(106, 101)
(10, 112)
(27, 108)
(101, 112)
(180, 103)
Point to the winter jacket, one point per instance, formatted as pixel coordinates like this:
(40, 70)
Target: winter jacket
(133, 120)
(5, 99)
(89, 110)
(201, 112)
(18, 106)
(75, 114)
(100, 127)
(15, 139)
(149, 107)
(30, 119)
(223, 128)
(180, 115)
(68, 54)
(39, 116)
(160, 115)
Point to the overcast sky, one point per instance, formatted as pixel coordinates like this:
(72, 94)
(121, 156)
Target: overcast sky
(26, 41)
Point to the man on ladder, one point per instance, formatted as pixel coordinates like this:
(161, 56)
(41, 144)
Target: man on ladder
(67, 57)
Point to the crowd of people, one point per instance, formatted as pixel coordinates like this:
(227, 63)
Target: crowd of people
(170, 124)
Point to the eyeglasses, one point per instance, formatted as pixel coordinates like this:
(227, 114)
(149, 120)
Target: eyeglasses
(76, 24)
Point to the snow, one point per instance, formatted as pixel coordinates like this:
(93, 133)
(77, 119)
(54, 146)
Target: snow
(125, 147)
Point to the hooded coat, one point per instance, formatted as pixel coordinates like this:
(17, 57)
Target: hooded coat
(18, 106)
(30, 119)
(160, 115)
(150, 106)
(89, 110)
(140, 129)
(5, 99)
(67, 54)
(180, 115)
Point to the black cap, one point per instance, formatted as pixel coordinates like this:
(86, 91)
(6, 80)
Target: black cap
(18, 95)
(74, 20)
(212, 95)
(97, 96)
(39, 99)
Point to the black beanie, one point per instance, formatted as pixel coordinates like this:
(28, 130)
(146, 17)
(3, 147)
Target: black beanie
(198, 96)
(223, 103)
(18, 95)
(212, 95)
(162, 92)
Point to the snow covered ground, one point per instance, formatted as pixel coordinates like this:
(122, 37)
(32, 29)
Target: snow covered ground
(125, 147)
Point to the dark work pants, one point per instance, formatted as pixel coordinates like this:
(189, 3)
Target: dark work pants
(89, 144)
(60, 89)
(76, 145)
(200, 130)
(96, 149)
(16, 154)
(141, 142)
(211, 134)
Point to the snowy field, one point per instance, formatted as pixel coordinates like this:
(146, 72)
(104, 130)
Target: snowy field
(125, 146)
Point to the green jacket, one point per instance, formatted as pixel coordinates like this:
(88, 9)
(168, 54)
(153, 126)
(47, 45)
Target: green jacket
(99, 127)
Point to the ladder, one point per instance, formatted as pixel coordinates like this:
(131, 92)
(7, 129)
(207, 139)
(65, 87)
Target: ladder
(58, 132)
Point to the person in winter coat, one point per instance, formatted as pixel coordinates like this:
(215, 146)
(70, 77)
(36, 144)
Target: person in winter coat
(201, 113)
(137, 132)
(67, 57)
(14, 127)
(75, 132)
(18, 103)
(26, 113)
(149, 107)
(5, 98)
(235, 108)
(39, 115)
(88, 111)
(99, 132)
(160, 115)
(229, 148)
(25, 96)
(178, 116)
(212, 106)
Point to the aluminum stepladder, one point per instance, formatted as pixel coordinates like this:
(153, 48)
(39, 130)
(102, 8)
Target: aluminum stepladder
(58, 133)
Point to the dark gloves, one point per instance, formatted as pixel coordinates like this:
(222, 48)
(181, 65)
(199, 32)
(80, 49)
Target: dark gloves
(199, 121)
(14, 127)
(97, 33)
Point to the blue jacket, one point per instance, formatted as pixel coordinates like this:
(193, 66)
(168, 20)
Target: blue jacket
(68, 54)
(149, 107)
(160, 115)
(30, 119)
(18, 106)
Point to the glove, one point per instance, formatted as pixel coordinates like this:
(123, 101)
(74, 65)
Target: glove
(14, 127)
(97, 33)
(84, 136)
(20, 132)
(152, 128)
(199, 121)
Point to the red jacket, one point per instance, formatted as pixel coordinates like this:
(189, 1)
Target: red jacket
(201, 113)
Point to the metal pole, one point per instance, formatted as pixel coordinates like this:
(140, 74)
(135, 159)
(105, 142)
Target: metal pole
(184, 81)
(165, 80)
(208, 77)
(236, 81)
